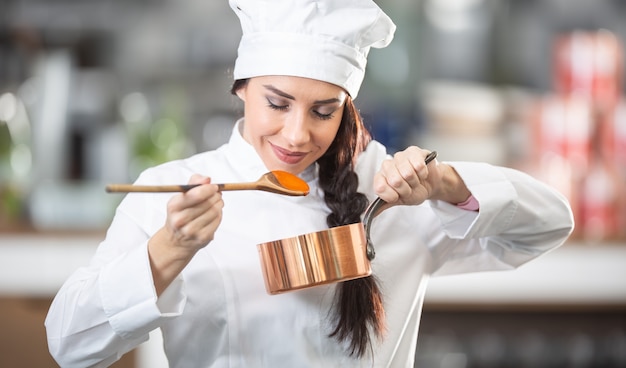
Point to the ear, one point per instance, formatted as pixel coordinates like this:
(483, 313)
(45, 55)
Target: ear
(241, 93)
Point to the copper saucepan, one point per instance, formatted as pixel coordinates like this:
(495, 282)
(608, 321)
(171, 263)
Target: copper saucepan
(337, 254)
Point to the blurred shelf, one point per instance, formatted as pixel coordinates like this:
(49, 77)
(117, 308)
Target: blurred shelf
(576, 274)
(37, 265)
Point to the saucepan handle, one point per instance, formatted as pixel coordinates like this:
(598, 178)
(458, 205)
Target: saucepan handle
(372, 211)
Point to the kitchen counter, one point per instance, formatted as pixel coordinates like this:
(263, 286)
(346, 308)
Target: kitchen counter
(574, 275)
(37, 265)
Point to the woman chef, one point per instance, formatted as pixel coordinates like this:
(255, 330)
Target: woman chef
(187, 263)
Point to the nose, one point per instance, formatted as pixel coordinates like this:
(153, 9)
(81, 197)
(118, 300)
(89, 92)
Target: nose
(296, 129)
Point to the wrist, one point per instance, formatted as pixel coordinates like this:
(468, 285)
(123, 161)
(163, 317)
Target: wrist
(452, 188)
(166, 260)
(163, 246)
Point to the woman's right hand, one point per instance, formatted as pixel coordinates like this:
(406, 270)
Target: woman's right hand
(192, 219)
(193, 216)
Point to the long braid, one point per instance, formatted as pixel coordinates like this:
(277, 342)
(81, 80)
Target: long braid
(358, 303)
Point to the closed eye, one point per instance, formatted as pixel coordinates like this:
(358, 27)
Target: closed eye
(274, 106)
(323, 116)
(317, 113)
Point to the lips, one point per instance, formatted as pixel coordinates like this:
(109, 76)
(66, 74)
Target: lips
(286, 156)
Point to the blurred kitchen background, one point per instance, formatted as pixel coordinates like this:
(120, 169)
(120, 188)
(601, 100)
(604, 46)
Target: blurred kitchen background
(94, 91)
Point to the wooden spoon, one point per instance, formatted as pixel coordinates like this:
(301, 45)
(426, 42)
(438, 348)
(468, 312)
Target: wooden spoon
(279, 182)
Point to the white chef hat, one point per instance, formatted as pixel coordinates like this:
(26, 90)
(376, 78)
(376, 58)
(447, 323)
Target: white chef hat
(326, 40)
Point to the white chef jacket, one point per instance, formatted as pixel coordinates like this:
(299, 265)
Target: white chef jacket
(217, 312)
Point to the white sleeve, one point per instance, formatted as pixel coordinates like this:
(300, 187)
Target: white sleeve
(109, 307)
(519, 219)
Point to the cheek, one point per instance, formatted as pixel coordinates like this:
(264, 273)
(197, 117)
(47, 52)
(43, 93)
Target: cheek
(258, 123)
(327, 135)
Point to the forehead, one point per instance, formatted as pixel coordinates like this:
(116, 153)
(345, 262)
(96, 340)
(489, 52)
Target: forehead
(299, 86)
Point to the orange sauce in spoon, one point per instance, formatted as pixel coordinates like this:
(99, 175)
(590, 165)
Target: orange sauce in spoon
(290, 181)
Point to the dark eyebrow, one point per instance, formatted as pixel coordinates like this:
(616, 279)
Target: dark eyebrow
(278, 92)
(288, 96)
(326, 102)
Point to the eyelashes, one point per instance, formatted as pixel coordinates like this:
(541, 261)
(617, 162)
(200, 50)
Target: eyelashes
(318, 114)
(277, 107)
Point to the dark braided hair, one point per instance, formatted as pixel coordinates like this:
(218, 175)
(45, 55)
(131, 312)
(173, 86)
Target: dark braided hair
(358, 307)
(358, 303)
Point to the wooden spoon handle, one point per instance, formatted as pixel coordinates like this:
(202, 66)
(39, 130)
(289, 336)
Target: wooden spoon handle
(130, 188)
(237, 186)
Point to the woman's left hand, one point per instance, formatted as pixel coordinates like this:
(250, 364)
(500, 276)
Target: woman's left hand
(407, 180)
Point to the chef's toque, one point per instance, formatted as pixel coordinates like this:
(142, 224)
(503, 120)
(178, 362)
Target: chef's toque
(327, 40)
